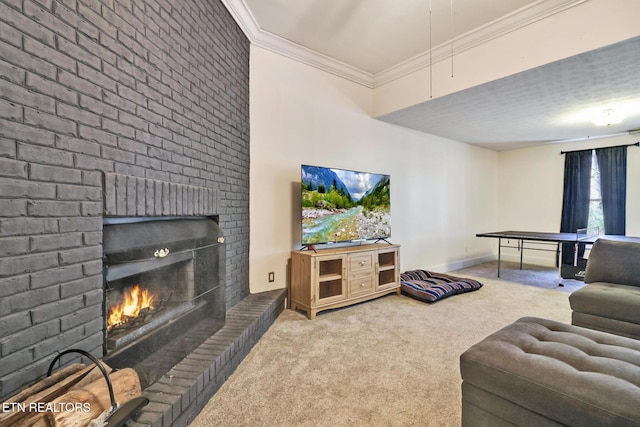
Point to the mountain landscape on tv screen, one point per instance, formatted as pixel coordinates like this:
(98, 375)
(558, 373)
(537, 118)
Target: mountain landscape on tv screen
(340, 205)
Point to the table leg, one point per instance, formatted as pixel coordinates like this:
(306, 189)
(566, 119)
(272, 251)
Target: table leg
(499, 254)
(560, 266)
(521, 252)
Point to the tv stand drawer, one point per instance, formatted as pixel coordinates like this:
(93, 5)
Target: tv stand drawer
(361, 263)
(361, 285)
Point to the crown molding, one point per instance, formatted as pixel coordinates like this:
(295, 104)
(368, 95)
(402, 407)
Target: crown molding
(521, 18)
(310, 57)
(247, 22)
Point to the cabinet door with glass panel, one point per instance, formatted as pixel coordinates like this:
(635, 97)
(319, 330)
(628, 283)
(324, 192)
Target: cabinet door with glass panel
(387, 269)
(330, 279)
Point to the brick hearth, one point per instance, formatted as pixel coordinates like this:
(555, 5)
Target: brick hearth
(181, 394)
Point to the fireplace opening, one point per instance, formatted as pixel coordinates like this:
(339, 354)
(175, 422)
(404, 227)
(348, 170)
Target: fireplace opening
(163, 290)
(142, 302)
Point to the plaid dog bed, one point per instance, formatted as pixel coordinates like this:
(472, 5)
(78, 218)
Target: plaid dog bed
(429, 286)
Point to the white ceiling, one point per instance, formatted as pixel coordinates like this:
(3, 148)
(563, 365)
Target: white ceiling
(375, 35)
(370, 41)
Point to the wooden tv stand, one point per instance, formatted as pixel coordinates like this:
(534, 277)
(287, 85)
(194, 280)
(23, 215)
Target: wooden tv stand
(332, 278)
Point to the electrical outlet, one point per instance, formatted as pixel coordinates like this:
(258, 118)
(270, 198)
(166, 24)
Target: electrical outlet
(272, 276)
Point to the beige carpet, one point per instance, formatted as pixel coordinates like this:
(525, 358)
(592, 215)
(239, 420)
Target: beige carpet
(532, 275)
(393, 361)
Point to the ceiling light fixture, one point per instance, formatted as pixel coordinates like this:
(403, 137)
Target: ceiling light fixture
(609, 117)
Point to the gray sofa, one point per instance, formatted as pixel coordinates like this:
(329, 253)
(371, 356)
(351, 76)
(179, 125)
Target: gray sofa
(610, 301)
(545, 373)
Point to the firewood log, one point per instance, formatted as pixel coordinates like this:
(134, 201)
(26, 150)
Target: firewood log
(35, 419)
(31, 412)
(94, 375)
(79, 406)
(25, 402)
(47, 382)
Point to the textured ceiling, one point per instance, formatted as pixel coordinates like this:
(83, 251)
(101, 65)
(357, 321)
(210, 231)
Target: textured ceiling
(546, 104)
(554, 102)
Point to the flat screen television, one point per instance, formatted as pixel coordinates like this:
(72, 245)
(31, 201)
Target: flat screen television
(343, 205)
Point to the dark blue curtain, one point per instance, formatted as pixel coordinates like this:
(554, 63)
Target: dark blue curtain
(612, 163)
(575, 200)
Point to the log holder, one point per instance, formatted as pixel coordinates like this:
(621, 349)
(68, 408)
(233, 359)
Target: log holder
(117, 415)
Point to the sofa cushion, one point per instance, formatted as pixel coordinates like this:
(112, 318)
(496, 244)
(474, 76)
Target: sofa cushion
(620, 302)
(430, 286)
(615, 262)
(574, 376)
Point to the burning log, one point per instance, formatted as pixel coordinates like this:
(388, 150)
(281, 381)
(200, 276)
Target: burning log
(136, 301)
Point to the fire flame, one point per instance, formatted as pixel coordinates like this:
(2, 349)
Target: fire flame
(135, 300)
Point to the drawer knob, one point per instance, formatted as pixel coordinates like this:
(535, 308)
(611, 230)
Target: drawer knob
(362, 263)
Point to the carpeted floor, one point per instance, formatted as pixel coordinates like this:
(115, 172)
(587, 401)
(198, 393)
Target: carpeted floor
(531, 275)
(393, 361)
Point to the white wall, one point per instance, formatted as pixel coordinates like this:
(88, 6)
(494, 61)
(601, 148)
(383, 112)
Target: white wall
(530, 182)
(442, 191)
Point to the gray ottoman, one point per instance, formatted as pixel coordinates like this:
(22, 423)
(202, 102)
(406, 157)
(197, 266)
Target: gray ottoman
(538, 372)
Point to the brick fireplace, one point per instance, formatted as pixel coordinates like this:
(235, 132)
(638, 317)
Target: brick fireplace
(164, 285)
(114, 108)
(164, 238)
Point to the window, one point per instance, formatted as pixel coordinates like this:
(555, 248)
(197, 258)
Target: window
(596, 216)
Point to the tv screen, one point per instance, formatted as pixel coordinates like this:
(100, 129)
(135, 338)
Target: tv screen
(342, 205)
